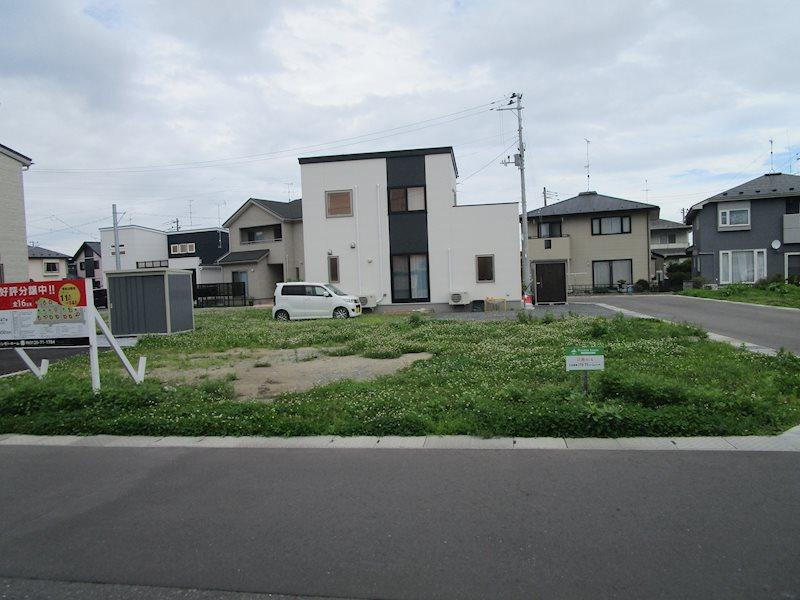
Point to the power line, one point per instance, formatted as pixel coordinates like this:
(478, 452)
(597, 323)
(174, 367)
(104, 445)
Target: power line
(471, 112)
(506, 149)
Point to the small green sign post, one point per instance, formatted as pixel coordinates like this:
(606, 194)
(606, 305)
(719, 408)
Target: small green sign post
(585, 359)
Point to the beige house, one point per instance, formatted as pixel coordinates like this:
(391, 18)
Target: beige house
(588, 242)
(44, 264)
(13, 241)
(266, 246)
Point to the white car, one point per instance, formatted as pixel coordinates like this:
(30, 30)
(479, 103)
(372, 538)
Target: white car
(309, 300)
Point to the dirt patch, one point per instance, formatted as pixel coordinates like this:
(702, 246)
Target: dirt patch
(264, 374)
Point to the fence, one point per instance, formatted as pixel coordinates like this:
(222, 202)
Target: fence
(220, 294)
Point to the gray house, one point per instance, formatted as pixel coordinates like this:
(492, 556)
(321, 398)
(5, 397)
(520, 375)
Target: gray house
(748, 232)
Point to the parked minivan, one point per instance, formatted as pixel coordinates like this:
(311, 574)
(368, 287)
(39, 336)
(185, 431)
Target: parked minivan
(309, 300)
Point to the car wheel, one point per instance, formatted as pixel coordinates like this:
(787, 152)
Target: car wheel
(281, 315)
(340, 312)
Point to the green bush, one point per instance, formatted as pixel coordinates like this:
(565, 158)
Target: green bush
(642, 285)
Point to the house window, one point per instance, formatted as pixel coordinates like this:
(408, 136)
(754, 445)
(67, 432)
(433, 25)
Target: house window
(410, 278)
(333, 269)
(734, 217)
(2, 274)
(552, 229)
(174, 248)
(484, 266)
(339, 203)
(190, 248)
(742, 266)
(548, 244)
(608, 273)
(51, 267)
(410, 199)
(611, 225)
(152, 264)
(263, 233)
(792, 206)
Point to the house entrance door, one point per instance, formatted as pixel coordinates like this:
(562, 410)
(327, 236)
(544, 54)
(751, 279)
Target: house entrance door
(551, 283)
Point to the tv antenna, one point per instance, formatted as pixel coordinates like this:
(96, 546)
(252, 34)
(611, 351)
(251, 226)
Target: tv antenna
(646, 191)
(588, 185)
(771, 164)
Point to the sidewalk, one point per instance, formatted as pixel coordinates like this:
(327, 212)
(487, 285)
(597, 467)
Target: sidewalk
(786, 442)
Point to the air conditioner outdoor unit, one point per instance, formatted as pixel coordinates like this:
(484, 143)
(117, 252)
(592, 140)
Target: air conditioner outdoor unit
(459, 298)
(368, 301)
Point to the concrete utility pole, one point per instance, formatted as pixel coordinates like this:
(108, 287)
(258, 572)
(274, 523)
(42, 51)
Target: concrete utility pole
(515, 104)
(117, 261)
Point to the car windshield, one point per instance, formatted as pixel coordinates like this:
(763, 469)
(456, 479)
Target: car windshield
(335, 290)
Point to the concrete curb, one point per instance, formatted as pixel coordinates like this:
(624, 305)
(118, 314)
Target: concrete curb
(735, 302)
(716, 337)
(786, 442)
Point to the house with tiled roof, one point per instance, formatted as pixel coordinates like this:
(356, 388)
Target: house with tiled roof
(589, 242)
(266, 246)
(44, 264)
(669, 243)
(749, 232)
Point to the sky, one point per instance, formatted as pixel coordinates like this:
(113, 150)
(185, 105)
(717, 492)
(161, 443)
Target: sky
(185, 109)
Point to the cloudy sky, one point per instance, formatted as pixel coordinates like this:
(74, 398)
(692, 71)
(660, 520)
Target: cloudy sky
(177, 106)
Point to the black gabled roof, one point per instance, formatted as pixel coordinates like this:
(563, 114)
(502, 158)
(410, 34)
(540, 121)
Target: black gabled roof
(288, 211)
(95, 247)
(246, 256)
(18, 156)
(666, 224)
(39, 252)
(768, 185)
(384, 154)
(589, 202)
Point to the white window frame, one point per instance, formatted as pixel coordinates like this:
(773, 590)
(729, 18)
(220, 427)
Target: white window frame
(51, 262)
(786, 256)
(174, 249)
(726, 213)
(727, 255)
(190, 248)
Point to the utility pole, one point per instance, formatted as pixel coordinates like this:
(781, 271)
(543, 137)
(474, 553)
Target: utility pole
(177, 222)
(515, 104)
(117, 260)
(191, 223)
(544, 195)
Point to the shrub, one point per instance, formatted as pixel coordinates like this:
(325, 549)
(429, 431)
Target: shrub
(698, 282)
(416, 319)
(642, 285)
(525, 317)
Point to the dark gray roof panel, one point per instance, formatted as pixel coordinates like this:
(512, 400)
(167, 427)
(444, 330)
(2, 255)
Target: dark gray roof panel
(246, 256)
(589, 202)
(38, 252)
(288, 211)
(769, 184)
(18, 156)
(385, 154)
(666, 224)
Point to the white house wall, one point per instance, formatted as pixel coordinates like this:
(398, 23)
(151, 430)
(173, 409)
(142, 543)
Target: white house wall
(13, 241)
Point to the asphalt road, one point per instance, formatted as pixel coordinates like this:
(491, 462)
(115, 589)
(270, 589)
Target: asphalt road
(762, 325)
(11, 363)
(104, 522)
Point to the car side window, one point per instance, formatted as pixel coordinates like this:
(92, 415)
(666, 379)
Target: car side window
(315, 290)
(292, 290)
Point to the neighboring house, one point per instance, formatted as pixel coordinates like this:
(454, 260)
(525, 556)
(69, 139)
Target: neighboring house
(669, 243)
(387, 227)
(88, 263)
(748, 232)
(266, 246)
(588, 242)
(13, 241)
(140, 247)
(46, 264)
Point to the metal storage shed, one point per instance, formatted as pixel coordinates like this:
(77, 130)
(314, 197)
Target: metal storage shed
(151, 301)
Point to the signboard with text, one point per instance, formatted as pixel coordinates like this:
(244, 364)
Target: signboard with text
(585, 359)
(45, 313)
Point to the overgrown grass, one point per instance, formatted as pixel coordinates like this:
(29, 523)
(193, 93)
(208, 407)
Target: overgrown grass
(485, 378)
(771, 294)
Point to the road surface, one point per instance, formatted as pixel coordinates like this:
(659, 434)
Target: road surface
(397, 524)
(763, 325)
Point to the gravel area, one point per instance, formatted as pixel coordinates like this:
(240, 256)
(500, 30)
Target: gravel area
(539, 311)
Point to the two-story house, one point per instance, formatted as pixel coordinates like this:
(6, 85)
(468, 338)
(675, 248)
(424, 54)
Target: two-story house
(13, 241)
(266, 246)
(386, 226)
(669, 243)
(588, 242)
(88, 264)
(195, 250)
(44, 264)
(748, 232)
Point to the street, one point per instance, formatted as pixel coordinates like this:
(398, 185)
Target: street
(399, 523)
(763, 325)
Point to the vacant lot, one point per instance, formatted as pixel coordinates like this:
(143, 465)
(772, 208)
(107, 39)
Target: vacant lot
(771, 294)
(483, 378)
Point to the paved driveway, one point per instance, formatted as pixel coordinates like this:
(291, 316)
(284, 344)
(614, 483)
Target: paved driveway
(763, 325)
(11, 363)
(402, 524)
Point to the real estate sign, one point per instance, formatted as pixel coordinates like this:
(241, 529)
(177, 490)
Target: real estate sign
(45, 313)
(585, 359)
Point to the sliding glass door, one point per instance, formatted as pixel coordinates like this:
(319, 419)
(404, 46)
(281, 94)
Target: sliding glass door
(410, 280)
